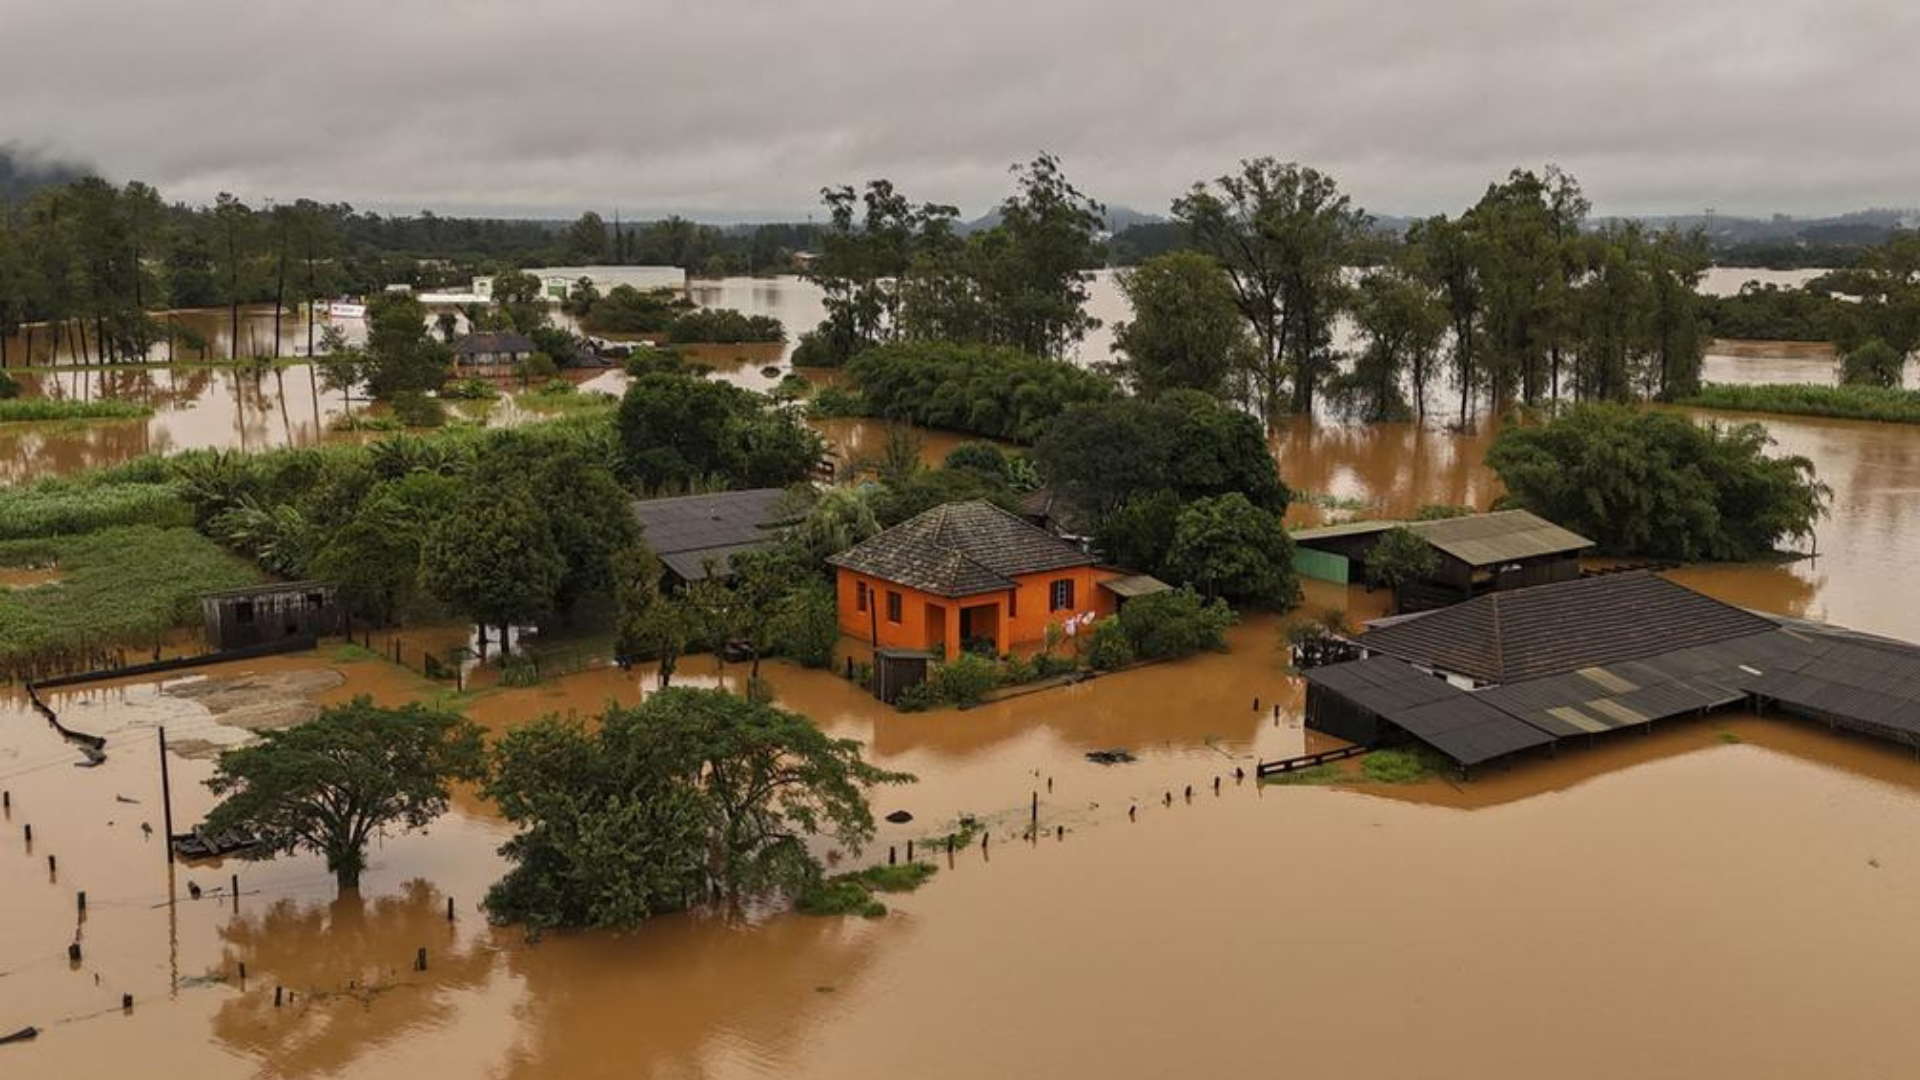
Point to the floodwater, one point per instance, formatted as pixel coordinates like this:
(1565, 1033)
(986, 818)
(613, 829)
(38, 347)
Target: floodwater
(1728, 897)
(1721, 897)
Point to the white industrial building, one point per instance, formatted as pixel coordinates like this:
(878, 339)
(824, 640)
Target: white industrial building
(557, 281)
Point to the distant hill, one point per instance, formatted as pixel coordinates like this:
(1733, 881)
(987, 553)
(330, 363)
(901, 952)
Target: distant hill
(23, 173)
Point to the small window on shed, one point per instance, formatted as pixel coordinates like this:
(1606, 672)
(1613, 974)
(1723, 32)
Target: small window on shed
(243, 611)
(316, 600)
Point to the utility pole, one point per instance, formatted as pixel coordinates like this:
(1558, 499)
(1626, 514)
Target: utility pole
(166, 798)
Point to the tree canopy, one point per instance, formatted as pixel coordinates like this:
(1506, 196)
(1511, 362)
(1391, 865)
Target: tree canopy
(1654, 483)
(690, 795)
(1099, 455)
(1228, 548)
(1186, 330)
(330, 785)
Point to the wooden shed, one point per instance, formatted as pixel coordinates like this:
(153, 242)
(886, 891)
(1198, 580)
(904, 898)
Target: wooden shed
(266, 614)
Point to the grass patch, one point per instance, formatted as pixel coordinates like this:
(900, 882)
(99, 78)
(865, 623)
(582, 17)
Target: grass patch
(38, 410)
(119, 587)
(1728, 736)
(353, 654)
(964, 832)
(60, 507)
(1886, 404)
(852, 893)
(1401, 766)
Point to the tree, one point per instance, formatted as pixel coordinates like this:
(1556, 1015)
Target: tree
(586, 239)
(1872, 363)
(494, 559)
(678, 430)
(1178, 622)
(1284, 233)
(375, 556)
(1138, 534)
(1031, 268)
(1401, 322)
(1651, 483)
(329, 785)
(518, 297)
(984, 389)
(1099, 455)
(233, 253)
(1229, 548)
(1401, 556)
(1449, 259)
(691, 794)
(400, 354)
(840, 518)
(1186, 330)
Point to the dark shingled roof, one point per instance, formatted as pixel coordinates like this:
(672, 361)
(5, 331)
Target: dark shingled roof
(690, 531)
(493, 344)
(1545, 630)
(960, 549)
(1451, 720)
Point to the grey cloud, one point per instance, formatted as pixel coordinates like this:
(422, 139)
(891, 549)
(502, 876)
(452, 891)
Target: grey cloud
(744, 108)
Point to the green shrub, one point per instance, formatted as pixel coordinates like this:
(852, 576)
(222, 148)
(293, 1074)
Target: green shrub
(1178, 622)
(469, 389)
(541, 366)
(837, 401)
(724, 326)
(416, 410)
(965, 680)
(9, 387)
(1401, 766)
(1107, 646)
(519, 670)
(989, 390)
(916, 698)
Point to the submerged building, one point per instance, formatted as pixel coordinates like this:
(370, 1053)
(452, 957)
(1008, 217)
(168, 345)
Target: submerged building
(971, 575)
(1525, 669)
(1476, 553)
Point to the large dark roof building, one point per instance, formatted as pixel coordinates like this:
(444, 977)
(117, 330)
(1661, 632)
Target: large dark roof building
(1513, 670)
(697, 536)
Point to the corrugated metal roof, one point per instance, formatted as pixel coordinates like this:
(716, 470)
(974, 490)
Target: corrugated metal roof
(1499, 537)
(1345, 528)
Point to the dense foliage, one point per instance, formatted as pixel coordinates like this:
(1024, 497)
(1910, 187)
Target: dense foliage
(1873, 363)
(1185, 331)
(1650, 482)
(334, 783)
(1175, 623)
(678, 430)
(1773, 313)
(1100, 455)
(724, 326)
(982, 389)
(1226, 547)
(692, 794)
(1400, 557)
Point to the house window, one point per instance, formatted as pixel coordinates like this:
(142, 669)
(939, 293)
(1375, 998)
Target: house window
(1013, 604)
(893, 606)
(860, 596)
(1060, 595)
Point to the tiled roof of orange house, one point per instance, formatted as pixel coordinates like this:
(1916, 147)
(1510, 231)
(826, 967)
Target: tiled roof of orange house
(960, 549)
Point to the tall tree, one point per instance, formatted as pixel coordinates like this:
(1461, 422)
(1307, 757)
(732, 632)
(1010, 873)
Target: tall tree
(494, 559)
(233, 253)
(1284, 233)
(1186, 330)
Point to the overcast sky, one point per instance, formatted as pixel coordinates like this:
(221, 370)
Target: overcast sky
(744, 108)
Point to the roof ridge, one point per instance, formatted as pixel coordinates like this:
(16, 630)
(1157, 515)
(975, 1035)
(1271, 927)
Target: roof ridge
(1499, 640)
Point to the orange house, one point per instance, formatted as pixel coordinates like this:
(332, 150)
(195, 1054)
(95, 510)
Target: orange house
(965, 574)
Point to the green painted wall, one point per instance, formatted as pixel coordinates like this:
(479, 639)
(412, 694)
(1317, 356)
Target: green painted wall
(1321, 565)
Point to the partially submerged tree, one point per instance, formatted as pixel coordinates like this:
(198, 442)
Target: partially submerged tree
(1872, 363)
(1401, 556)
(692, 794)
(1227, 547)
(494, 559)
(330, 785)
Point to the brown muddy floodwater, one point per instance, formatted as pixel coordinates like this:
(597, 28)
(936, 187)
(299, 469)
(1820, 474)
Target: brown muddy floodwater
(1724, 897)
